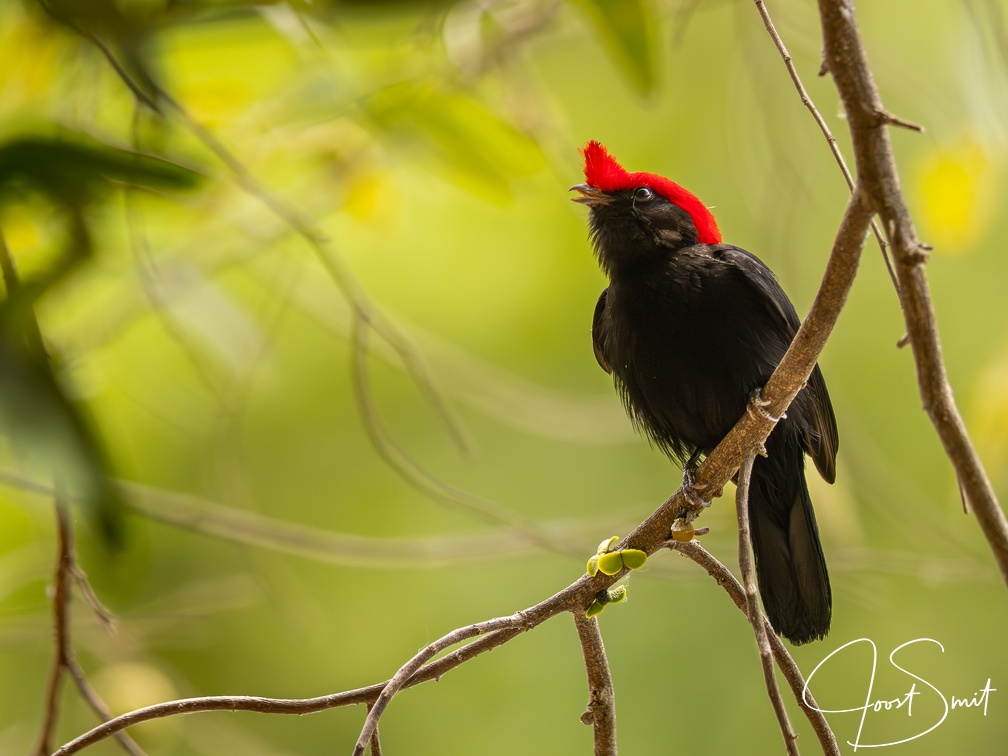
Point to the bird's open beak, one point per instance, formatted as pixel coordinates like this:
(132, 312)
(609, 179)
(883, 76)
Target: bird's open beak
(589, 195)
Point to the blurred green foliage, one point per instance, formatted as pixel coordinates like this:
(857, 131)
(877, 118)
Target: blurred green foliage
(200, 347)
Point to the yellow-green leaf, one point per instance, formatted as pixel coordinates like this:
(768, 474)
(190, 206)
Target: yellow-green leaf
(611, 563)
(633, 558)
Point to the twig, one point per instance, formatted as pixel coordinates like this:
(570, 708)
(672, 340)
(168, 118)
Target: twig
(753, 611)
(894, 120)
(101, 613)
(601, 710)
(375, 744)
(879, 180)
(488, 511)
(806, 100)
(61, 621)
(63, 657)
(722, 575)
(514, 622)
(298, 706)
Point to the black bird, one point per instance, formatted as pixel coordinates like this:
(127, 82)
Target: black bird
(689, 328)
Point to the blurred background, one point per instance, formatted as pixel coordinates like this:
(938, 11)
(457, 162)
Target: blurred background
(335, 338)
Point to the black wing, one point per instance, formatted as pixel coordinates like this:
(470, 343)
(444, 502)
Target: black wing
(812, 407)
(598, 333)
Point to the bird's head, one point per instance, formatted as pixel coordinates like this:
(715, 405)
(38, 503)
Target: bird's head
(636, 216)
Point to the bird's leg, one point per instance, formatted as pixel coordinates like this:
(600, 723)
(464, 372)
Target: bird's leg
(692, 489)
(682, 527)
(758, 406)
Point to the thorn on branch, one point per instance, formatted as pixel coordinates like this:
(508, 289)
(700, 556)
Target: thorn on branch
(917, 254)
(893, 120)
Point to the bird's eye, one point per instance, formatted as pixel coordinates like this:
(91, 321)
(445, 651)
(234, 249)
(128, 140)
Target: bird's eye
(643, 194)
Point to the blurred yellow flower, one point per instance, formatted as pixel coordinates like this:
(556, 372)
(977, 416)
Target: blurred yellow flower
(957, 186)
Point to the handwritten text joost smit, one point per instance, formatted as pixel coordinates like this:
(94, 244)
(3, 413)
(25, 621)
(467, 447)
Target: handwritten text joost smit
(978, 700)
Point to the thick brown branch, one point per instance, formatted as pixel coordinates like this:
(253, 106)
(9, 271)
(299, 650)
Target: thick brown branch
(879, 181)
(601, 710)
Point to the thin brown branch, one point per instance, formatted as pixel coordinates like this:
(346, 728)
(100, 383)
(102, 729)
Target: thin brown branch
(831, 140)
(98, 706)
(879, 180)
(722, 575)
(132, 84)
(298, 706)
(375, 744)
(753, 611)
(894, 120)
(516, 621)
(601, 710)
(61, 622)
(63, 661)
(424, 481)
(100, 612)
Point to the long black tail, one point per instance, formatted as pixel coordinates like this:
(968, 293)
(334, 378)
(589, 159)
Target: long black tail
(790, 566)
